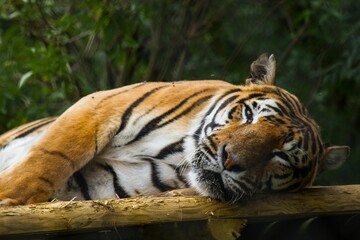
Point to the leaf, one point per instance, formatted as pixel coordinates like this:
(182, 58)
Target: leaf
(24, 78)
(130, 43)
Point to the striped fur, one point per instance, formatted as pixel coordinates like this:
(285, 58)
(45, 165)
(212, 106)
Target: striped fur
(25, 130)
(226, 141)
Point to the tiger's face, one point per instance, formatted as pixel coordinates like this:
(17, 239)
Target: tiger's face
(259, 139)
(262, 141)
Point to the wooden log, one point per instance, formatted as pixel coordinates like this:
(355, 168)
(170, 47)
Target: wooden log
(80, 215)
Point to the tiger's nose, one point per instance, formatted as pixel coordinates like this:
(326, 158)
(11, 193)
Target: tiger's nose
(230, 164)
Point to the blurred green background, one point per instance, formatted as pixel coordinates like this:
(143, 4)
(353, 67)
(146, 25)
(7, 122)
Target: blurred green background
(54, 52)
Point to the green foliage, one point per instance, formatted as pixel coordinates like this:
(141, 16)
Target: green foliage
(54, 52)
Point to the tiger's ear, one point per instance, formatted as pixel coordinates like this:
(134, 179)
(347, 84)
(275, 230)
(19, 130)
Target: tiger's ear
(334, 157)
(262, 70)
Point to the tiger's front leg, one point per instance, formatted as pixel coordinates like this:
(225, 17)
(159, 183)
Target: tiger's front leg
(32, 181)
(69, 143)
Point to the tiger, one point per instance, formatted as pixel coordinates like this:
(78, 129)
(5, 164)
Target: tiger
(225, 141)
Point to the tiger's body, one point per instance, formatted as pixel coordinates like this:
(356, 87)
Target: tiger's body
(225, 141)
(147, 156)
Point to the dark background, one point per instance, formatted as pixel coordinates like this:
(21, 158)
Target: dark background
(54, 52)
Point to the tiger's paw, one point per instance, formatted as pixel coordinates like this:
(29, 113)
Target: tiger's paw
(22, 190)
(7, 202)
(8, 197)
(22, 198)
(8, 194)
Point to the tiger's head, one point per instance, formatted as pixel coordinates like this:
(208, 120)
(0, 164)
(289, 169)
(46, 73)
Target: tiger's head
(259, 138)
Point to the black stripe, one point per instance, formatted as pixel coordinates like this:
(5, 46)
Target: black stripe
(274, 120)
(283, 156)
(306, 140)
(223, 105)
(275, 109)
(300, 173)
(289, 106)
(96, 141)
(254, 104)
(117, 186)
(215, 183)
(187, 110)
(304, 159)
(232, 111)
(283, 176)
(198, 131)
(296, 158)
(155, 177)
(313, 142)
(298, 105)
(118, 93)
(195, 161)
(250, 182)
(212, 144)
(153, 124)
(298, 123)
(290, 135)
(171, 149)
(59, 154)
(128, 112)
(282, 109)
(212, 125)
(300, 142)
(179, 173)
(320, 145)
(81, 182)
(269, 184)
(242, 185)
(251, 96)
(279, 120)
(207, 150)
(34, 129)
(155, 106)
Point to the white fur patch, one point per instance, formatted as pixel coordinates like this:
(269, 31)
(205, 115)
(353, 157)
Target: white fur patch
(16, 150)
(262, 110)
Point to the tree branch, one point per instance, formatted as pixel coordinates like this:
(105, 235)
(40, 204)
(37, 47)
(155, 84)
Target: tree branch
(63, 216)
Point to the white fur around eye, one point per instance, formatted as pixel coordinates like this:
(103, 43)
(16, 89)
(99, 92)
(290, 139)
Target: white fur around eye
(289, 145)
(244, 118)
(261, 110)
(281, 161)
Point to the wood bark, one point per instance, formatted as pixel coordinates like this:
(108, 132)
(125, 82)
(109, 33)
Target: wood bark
(82, 215)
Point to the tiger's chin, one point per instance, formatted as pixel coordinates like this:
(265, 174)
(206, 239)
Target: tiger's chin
(208, 183)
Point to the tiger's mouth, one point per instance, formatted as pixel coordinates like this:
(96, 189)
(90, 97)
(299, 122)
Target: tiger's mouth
(214, 185)
(220, 177)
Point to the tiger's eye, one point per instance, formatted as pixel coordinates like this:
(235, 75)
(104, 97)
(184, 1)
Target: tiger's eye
(248, 114)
